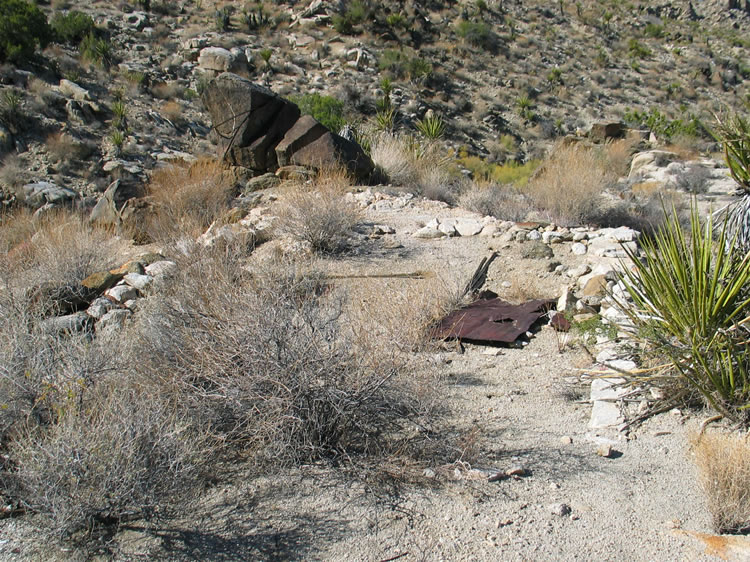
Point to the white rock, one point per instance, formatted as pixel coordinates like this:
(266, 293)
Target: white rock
(468, 227)
(73, 90)
(161, 268)
(578, 249)
(533, 235)
(99, 308)
(448, 229)
(217, 59)
(428, 232)
(576, 272)
(115, 318)
(121, 293)
(551, 237)
(605, 411)
(138, 281)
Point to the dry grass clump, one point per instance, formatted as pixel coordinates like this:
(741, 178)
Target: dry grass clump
(58, 247)
(12, 173)
(64, 148)
(500, 201)
(188, 199)
(420, 168)
(724, 468)
(568, 187)
(262, 362)
(317, 215)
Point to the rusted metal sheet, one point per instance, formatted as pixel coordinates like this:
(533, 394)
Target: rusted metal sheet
(492, 320)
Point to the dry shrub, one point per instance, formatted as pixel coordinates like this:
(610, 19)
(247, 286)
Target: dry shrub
(317, 215)
(172, 110)
(420, 168)
(400, 313)
(189, 198)
(59, 247)
(166, 90)
(64, 148)
(724, 469)
(262, 363)
(568, 187)
(617, 155)
(87, 445)
(499, 201)
(13, 173)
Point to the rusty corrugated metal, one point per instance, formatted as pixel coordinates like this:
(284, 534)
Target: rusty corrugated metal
(492, 320)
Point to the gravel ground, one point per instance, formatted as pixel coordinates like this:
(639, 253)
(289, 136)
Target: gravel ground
(526, 407)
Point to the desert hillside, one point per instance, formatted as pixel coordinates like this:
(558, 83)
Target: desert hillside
(374, 281)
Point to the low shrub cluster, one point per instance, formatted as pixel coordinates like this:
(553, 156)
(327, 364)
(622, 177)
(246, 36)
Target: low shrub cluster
(404, 64)
(317, 215)
(227, 363)
(327, 110)
(568, 185)
(23, 28)
(72, 27)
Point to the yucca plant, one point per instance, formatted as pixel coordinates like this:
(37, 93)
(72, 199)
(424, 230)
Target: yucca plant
(432, 126)
(691, 306)
(733, 132)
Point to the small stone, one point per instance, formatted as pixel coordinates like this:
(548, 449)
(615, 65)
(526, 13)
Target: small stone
(99, 308)
(138, 281)
(605, 451)
(493, 351)
(428, 233)
(559, 509)
(516, 470)
(114, 318)
(578, 249)
(161, 268)
(566, 440)
(429, 473)
(537, 251)
(503, 522)
(133, 266)
(101, 281)
(534, 235)
(122, 293)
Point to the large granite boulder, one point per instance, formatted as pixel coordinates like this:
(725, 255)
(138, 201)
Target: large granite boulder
(263, 131)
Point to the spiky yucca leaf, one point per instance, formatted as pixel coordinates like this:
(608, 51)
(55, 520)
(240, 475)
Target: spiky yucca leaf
(733, 132)
(691, 304)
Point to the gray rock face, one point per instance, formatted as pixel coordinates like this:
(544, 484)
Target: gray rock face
(264, 131)
(69, 324)
(41, 193)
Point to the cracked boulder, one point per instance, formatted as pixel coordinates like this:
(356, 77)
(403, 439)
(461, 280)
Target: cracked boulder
(263, 131)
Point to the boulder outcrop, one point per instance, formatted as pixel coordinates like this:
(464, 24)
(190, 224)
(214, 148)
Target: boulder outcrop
(262, 131)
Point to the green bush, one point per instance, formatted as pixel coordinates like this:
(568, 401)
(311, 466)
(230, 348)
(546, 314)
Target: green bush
(691, 307)
(72, 27)
(637, 50)
(326, 110)
(23, 27)
(654, 30)
(478, 34)
(355, 13)
(403, 64)
(97, 50)
(663, 126)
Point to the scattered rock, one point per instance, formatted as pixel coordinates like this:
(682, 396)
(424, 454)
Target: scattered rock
(536, 250)
(605, 451)
(559, 509)
(68, 324)
(40, 193)
(122, 293)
